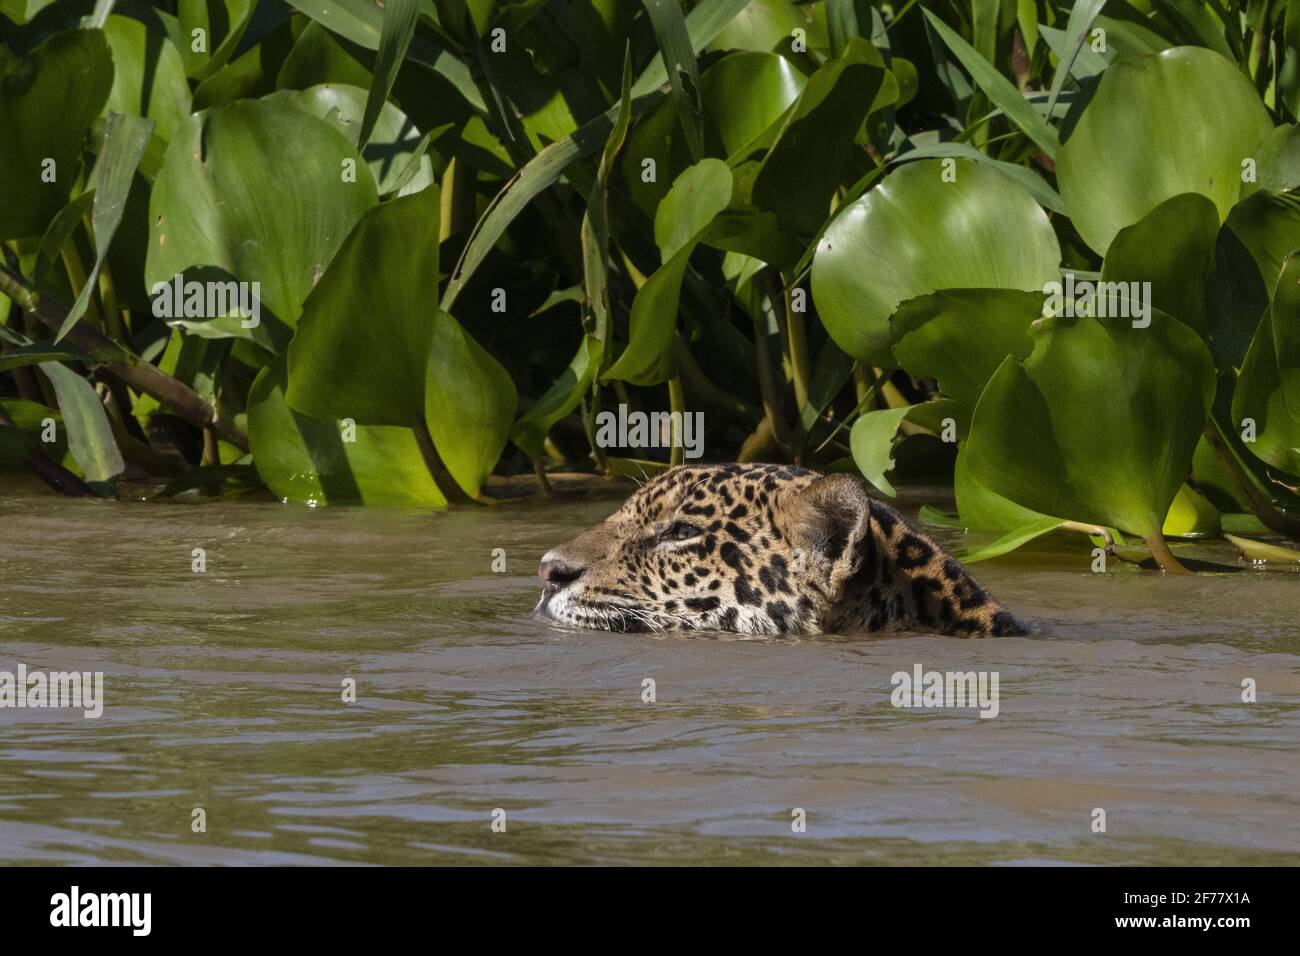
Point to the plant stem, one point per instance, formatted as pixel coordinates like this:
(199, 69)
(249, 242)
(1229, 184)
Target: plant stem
(776, 425)
(1164, 557)
(797, 333)
(129, 368)
(50, 471)
(1273, 517)
(437, 470)
(677, 404)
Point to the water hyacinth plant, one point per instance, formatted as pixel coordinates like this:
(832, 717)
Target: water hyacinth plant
(362, 252)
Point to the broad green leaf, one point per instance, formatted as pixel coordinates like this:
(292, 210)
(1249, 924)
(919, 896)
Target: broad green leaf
(469, 404)
(983, 509)
(209, 32)
(47, 103)
(21, 11)
(305, 459)
(743, 96)
(872, 443)
(1099, 423)
(914, 234)
(90, 437)
(1277, 161)
(148, 75)
(1267, 395)
(124, 144)
(1171, 247)
(219, 211)
(1191, 516)
(394, 40)
(1033, 183)
(361, 21)
(529, 433)
(684, 216)
(1175, 122)
(394, 142)
(362, 346)
(822, 124)
(1011, 540)
(760, 25)
(961, 336)
(999, 89)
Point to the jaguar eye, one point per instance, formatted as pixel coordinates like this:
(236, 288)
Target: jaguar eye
(679, 531)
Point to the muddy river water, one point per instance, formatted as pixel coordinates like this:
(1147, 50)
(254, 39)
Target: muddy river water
(224, 693)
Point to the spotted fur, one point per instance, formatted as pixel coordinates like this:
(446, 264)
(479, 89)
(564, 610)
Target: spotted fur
(762, 549)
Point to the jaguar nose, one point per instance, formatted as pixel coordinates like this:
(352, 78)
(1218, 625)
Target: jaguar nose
(556, 573)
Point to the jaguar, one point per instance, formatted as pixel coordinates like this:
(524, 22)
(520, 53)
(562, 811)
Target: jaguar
(762, 549)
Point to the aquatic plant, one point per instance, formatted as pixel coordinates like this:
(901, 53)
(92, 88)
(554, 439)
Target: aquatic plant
(355, 251)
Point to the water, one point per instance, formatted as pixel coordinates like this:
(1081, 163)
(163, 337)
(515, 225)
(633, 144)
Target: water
(223, 692)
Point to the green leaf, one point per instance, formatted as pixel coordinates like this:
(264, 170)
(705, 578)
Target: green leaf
(961, 336)
(822, 124)
(872, 441)
(743, 96)
(703, 23)
(699, 194)
(47, 103)
(469, 404)
(529, 433)
(1277, 162)
(148, 75)
(305, 459)
(1033, 183)
(594, 232)
(1011, 540)
(90, 437)
(1191, 516)
(1175, 122)
(124, 144)
(362, 346)
(683, 72)
(394, 142)
(219, 212)
(999, 89)
(884, 249)
(222, 23)
(983, 509)
(1268, 390)
(1172, 247)
(22, 11)
(394, 40)
(1081, 16)
(1099, 423)
(37, 353)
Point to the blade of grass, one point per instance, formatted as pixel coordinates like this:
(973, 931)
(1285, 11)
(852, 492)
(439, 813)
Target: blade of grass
(683, 72)
(124, 144)
(999, 89)
(394, 40)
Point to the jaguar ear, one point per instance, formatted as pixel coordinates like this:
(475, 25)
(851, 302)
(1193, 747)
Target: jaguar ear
(831, 517)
